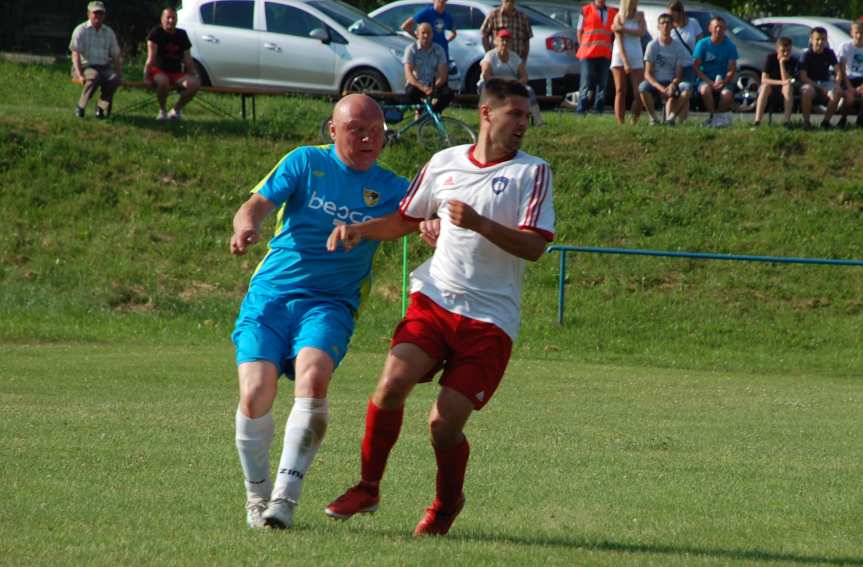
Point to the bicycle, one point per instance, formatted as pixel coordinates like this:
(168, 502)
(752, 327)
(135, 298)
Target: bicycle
(432, 130)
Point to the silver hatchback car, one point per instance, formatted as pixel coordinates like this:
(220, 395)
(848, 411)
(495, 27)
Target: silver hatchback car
(551, 62)
(315, 46)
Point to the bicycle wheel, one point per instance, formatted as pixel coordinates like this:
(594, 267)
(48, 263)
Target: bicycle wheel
(452, 132)
(325, 131)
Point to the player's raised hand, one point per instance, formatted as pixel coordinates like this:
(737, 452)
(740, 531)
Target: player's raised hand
(346, 234)
(464, 216)
(430, 231)
(242, 239)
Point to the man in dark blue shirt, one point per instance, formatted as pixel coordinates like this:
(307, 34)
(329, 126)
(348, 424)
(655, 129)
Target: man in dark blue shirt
(440, 21)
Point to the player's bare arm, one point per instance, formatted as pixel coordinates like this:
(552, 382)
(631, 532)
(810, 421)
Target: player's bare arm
(522, 243)
(247, 223)
(385, 228)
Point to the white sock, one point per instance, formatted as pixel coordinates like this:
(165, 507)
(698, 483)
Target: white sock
(304, 432)
(254, 437)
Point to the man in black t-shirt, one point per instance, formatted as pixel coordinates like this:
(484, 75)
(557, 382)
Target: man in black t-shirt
(818, 70)
(170, 64)
(780, 70)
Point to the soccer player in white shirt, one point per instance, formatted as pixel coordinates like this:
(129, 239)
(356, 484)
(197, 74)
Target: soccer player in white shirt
(495, 208)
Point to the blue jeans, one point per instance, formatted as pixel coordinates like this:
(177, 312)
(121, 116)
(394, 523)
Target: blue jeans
(594, 76)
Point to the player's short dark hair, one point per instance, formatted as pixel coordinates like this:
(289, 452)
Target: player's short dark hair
(664, 16)
(819, 30)
(717, 18)
(784, 41)
(496, 90)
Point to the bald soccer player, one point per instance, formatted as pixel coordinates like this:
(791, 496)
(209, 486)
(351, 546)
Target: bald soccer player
(299, 312)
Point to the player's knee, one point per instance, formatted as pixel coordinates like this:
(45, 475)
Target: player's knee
(392, 391)
(443, 434)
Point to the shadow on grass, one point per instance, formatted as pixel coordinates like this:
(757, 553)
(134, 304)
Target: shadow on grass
(659, 549)
(759, 555)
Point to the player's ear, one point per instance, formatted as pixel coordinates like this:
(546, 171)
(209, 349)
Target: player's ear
(484, 111)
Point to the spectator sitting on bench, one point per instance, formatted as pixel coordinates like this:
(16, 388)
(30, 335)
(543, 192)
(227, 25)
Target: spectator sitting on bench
(715, 66)
(170, 65)
(851, 61)
(426, 70)
(663, 74)
(94, 47)
(819, 85)
(503, 63)
(780, 70)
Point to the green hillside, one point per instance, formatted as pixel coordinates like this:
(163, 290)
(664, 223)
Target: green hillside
(118, 230)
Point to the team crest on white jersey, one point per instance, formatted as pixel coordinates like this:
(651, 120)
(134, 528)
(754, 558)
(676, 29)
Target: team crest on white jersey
(371, 197)
(498, 184)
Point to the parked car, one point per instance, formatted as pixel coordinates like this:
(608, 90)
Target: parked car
(797, 29)
(552, 48)
(315, 46)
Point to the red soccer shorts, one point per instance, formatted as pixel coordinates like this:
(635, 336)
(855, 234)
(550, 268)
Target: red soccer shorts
(173, 78)
(473, 354)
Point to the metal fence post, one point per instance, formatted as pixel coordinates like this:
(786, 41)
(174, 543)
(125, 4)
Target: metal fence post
(560, 285)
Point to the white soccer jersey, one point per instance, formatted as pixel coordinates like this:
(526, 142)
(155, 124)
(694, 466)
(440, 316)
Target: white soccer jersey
(468, 274)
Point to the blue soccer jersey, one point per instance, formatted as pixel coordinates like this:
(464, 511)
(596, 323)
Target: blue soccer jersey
(314, 191)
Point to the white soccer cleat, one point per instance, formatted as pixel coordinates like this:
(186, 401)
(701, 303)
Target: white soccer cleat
(279, 514)
(173, 114)
(255, 508)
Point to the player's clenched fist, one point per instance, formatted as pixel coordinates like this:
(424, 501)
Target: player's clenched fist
(348, 235)
(242, 239)
(463, 215)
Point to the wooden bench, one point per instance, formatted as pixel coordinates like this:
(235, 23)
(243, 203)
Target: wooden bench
(462, 99)
(245, 93)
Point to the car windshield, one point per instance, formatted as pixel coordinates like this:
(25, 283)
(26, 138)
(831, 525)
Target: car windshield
(744, 30)
(352, 19)
(537, 18)
(844, 26)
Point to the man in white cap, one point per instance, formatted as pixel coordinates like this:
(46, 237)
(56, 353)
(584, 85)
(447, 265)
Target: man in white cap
(96, 60)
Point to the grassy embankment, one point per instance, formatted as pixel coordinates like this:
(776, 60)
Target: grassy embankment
(117, 231)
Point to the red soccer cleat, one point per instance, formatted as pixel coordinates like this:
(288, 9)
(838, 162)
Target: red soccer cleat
(357, 500)
(436, 522)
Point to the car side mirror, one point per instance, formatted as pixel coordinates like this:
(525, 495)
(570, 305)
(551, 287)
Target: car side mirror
(320, 34)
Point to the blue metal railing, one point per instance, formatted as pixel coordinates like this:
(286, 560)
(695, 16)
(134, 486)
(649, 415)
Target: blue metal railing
(696, 255)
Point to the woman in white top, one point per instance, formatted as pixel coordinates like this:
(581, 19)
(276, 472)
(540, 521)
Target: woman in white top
(502, 62)
(627, 57)
(686, 31)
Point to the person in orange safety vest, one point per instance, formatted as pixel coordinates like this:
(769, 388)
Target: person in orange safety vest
(594, 50)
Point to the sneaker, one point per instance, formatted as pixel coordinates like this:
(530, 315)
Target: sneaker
(653, 121)
(843, 122)
(436, 522)
(279, 514)
(79, 112)
(162, 116)
(174, 114)
(254, 510)
(101, 114)
(357, 500)
(709, 123)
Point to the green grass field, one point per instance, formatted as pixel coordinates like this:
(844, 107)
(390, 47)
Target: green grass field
(688, 413)
(125, 456)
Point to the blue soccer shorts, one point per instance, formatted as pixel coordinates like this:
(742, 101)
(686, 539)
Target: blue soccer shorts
(276, 329)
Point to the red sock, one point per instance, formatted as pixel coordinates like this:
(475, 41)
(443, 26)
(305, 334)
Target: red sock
(451, 467)
(382, 432)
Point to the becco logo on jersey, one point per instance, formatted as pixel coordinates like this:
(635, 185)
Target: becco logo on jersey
(340, 215)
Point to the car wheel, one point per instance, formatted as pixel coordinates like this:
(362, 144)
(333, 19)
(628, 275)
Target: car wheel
(362, 80)
(205, 78)
(748, 82)
(471, 79)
